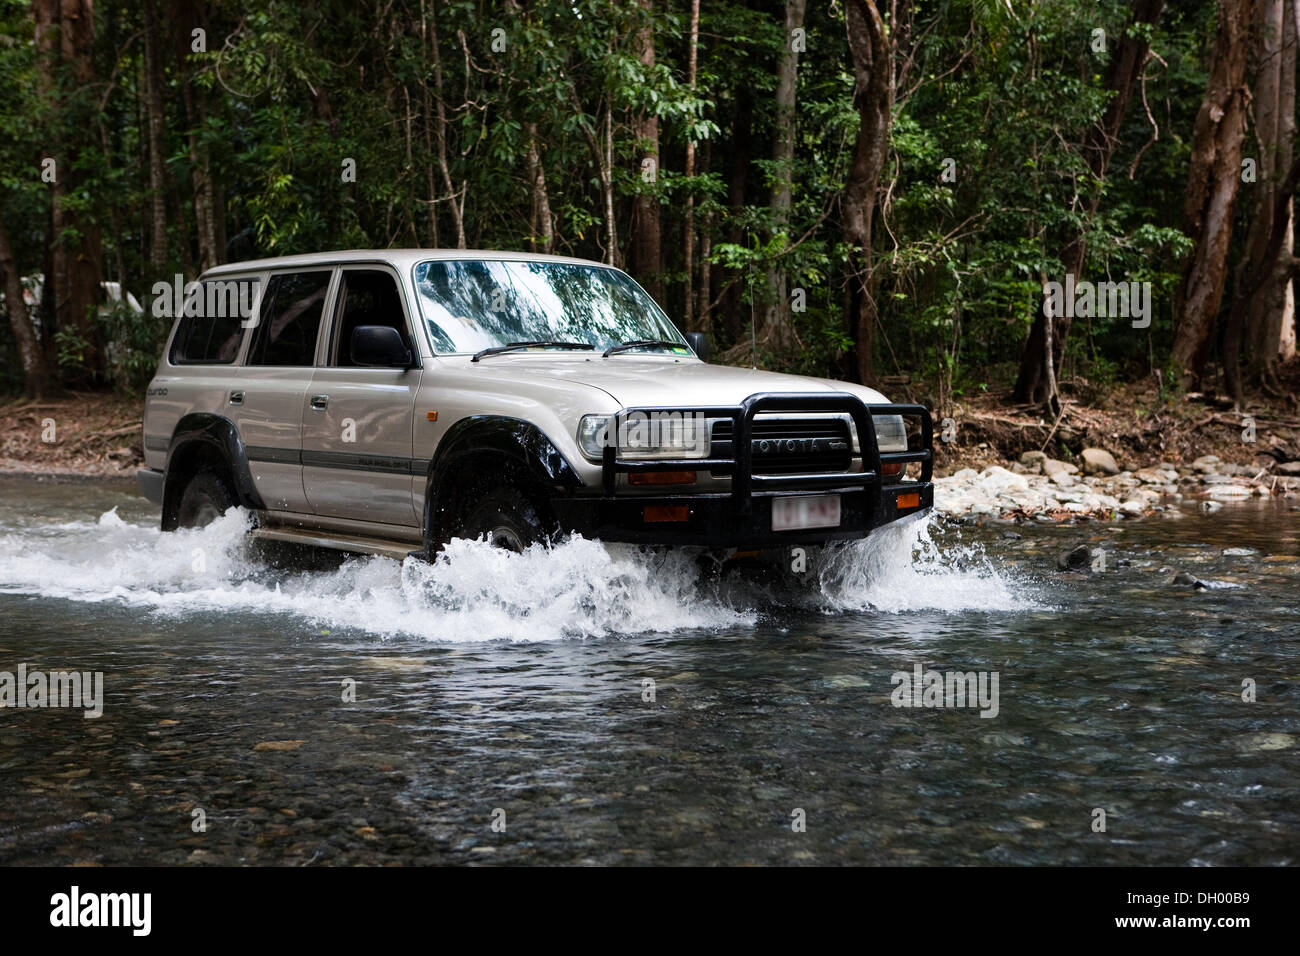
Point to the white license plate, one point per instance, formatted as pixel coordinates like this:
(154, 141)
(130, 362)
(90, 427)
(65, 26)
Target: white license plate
(793, 514)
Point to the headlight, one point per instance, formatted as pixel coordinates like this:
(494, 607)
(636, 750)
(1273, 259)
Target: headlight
(591, 435)
(644, 436)
(891, 432)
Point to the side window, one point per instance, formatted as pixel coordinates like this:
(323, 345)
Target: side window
(366, 297)
(290, 320)
(213, 322)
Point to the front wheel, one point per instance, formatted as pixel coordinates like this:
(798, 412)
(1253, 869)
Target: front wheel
(205, 499)
(506, 518)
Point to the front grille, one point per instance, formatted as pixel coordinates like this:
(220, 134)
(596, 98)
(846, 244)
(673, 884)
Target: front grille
(787, 446)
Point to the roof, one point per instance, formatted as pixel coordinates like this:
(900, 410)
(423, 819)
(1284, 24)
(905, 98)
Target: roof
(400, 259)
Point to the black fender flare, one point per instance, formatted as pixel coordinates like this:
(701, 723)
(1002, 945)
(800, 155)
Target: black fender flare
(518, 441)
(206, 431)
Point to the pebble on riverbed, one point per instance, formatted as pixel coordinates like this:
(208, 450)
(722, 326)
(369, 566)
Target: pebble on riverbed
(1043, 489)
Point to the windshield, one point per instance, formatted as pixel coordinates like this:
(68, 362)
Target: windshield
(474, 304)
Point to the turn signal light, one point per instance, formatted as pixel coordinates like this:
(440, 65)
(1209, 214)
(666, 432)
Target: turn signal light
(661, 478)
(912, 500)
(893, 471)
(666, 513)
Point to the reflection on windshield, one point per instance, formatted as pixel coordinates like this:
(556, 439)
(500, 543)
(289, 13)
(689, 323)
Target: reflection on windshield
(476, 304)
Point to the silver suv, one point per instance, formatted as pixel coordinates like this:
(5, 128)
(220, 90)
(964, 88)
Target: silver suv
(387, 401)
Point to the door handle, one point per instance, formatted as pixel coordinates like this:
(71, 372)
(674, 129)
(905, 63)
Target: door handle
(237, 398)
(320, 401)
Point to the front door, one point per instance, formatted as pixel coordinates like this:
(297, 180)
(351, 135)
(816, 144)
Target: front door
(357, 422)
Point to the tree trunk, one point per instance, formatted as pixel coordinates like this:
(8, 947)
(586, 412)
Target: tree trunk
(36, 375)
(64, 43)
(1213, 177)
(646, 261)
(873, 95)
(440, 135)
(189, 14)
(154, 122)
(777, 330)
(1270, 321)
(1033, 385)
(742, 122)
(541, 232)
(431, 204)
(691, 317)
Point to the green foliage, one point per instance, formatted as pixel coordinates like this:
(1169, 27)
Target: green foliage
(1000, 93)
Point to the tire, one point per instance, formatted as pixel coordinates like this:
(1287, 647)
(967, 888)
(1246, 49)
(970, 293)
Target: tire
(205, 499)
(506, 518)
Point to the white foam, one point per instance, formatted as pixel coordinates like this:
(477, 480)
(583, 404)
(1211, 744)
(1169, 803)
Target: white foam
(901, 568)
(471, 592)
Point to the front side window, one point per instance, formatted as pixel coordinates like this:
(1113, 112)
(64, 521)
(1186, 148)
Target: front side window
(473, 304)
(366, 297)
(290, 319)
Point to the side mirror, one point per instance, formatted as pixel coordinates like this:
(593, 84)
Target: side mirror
(379, 346)
(699, 343)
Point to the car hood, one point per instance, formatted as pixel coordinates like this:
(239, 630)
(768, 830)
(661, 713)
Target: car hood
(664, 382)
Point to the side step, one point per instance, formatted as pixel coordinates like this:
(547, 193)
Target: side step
(337, 540)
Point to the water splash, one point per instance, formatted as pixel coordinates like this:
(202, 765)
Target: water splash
(902, 568)
(473, 592)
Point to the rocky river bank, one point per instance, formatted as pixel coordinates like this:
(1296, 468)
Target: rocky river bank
(1043, 489)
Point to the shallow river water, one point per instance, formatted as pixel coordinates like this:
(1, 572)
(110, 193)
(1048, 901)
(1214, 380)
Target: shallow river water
(596, 704)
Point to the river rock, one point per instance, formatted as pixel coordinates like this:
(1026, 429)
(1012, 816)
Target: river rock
(995, 478)
(1053, 467)
(1291, 468)
(1230, 492)
(1156, 476)
(1078, 558)
(1182, 578)
(1098, 461)
(1206, 464)
(1210, 507)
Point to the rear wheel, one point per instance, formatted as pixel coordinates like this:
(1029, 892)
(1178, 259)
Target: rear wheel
(506, 518)
(205, 499)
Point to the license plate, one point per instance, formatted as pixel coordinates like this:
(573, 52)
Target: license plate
(794, 514)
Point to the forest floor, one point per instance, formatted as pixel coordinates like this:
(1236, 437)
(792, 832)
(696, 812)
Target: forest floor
(1138, 423)
(98, 435)
(83, 435)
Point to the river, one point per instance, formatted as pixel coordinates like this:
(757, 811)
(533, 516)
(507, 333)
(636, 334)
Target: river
(600, 705)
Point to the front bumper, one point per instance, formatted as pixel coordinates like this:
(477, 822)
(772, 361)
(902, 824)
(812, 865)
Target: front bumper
(715, 522)
(742, 517)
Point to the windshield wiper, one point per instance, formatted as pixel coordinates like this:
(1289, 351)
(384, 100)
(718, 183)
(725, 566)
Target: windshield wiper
(640, 343)
(513, 346)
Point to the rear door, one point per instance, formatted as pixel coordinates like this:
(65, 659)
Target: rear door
(268, 399)
(358, 421)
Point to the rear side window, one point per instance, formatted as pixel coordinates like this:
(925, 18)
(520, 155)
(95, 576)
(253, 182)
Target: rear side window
(290, 320)
(214, 316)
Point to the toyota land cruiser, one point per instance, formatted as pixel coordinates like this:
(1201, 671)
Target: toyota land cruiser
(388, 401)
